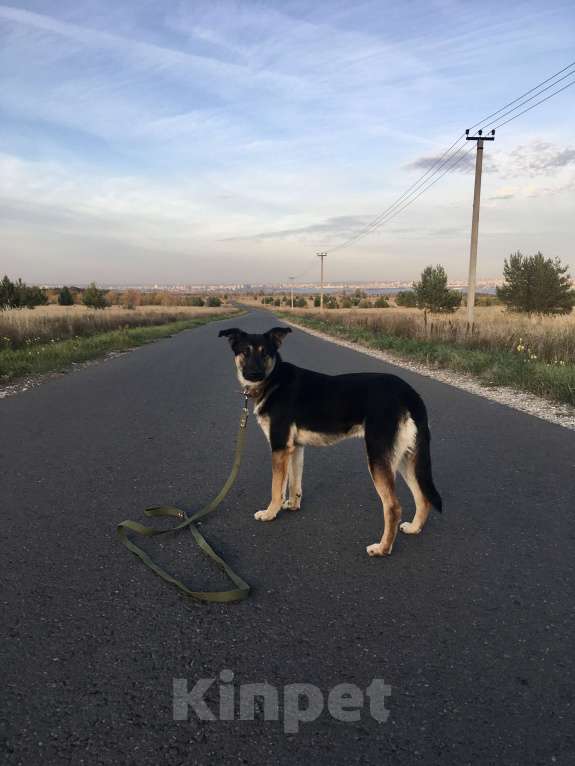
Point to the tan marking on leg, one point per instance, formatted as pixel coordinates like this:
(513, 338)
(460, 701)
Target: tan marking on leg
(295, 470)
(280, 459)
(384, 482)
(422, 504)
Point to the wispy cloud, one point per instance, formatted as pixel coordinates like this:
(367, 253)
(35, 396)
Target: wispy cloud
(338, 226)
(538, 158)
(465, 164)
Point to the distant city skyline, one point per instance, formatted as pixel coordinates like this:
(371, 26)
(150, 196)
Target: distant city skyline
(227, 141)
(259, 286)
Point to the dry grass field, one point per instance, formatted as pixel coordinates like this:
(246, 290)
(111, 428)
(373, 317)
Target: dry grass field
(549, 339)
(46, 324)
(40, 340)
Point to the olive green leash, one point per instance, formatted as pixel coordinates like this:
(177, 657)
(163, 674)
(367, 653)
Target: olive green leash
(242, 589)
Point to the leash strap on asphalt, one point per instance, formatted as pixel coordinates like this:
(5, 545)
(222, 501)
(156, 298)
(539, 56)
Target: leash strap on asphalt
(242, 588)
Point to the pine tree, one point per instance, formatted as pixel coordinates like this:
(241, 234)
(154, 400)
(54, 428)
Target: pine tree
(7, 293)
(536, 285)
(432, 293)
(65, 297)
(15, 295)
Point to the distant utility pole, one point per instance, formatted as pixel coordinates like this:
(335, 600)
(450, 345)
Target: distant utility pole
(291, 280)
(480, 138)
(322, 256)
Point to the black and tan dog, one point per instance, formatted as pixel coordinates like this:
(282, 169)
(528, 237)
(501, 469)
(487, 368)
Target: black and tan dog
(297, 407)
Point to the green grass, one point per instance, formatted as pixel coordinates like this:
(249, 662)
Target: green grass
(495, 368)
(59, 355)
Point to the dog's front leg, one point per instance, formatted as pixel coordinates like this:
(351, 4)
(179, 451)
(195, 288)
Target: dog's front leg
(295, 470)
(280, 460)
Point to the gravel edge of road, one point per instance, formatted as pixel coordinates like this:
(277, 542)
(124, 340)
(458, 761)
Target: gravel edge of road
(560, 414)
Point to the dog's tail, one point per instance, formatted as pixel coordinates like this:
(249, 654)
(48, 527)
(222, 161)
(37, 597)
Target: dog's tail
(423, 453)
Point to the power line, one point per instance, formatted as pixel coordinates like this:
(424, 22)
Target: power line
(572, 82)
(390, 213)
(462, 154)
(447, 170)
(432, 175)
(527, 92)
(415, 190)
(536, 104)
(439, 162)
(527, 100)
(374, 223)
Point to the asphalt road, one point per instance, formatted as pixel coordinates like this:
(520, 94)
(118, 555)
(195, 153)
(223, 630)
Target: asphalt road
(471, 623)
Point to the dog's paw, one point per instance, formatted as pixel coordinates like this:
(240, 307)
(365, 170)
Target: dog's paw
(264, 516)
(409, 528)
(290, 505)
(377, 550)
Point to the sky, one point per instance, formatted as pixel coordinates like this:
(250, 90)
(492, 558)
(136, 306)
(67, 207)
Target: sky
(160, 141)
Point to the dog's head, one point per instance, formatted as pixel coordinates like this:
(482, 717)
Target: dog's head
(255, 355)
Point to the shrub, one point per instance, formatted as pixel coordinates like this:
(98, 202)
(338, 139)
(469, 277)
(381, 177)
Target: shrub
(213, 301)
(406, 298)
(31, 296)
(94, 298)
(381, 302)
(129, 299)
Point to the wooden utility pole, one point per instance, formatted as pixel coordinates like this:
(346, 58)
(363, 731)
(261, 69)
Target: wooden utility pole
(291, 280)
(480, 138)
(322, 256)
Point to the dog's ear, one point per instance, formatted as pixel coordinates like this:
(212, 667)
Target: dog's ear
(233, 335)
(277, 334)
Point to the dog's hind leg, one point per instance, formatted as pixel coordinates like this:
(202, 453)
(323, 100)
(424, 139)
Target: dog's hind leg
(422, 504)
(384, 481)
(295, 472)
(280, 460)
(381, 441)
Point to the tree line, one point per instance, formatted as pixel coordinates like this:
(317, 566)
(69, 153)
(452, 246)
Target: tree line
(358, 299)
(532, 284)
(15, 295)
(19, 295)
